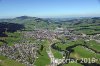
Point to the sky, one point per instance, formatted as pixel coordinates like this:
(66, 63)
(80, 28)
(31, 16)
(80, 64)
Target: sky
(49, 8)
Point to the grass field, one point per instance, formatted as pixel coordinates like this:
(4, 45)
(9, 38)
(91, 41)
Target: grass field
(57, 54)
(94, 45)
(43, 59)
(1, 43)
(80, 52)
(4, 61)
(71, 43)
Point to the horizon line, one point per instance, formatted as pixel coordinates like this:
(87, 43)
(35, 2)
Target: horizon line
(11, 17)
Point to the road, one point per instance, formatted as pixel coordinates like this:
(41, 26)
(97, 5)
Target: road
(51, 56)
(54, 61)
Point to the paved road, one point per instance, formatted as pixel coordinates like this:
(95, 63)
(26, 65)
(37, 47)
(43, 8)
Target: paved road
(51, 56)
(54, 61)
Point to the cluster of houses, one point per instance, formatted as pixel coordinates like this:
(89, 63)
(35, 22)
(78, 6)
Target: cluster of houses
(58, 33)
(70, 33)
(24, 53)
(41, 34)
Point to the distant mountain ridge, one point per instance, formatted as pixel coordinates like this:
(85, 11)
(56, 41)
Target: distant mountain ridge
(20, 19)
(23, 19)
(31, 23)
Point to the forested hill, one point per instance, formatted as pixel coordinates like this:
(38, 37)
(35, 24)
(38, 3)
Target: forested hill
(9, 27)
(21, 19)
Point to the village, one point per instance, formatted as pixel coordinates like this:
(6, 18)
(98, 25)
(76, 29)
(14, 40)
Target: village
(26, 51)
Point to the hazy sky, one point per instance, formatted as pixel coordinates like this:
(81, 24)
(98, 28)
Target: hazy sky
(49, 8)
